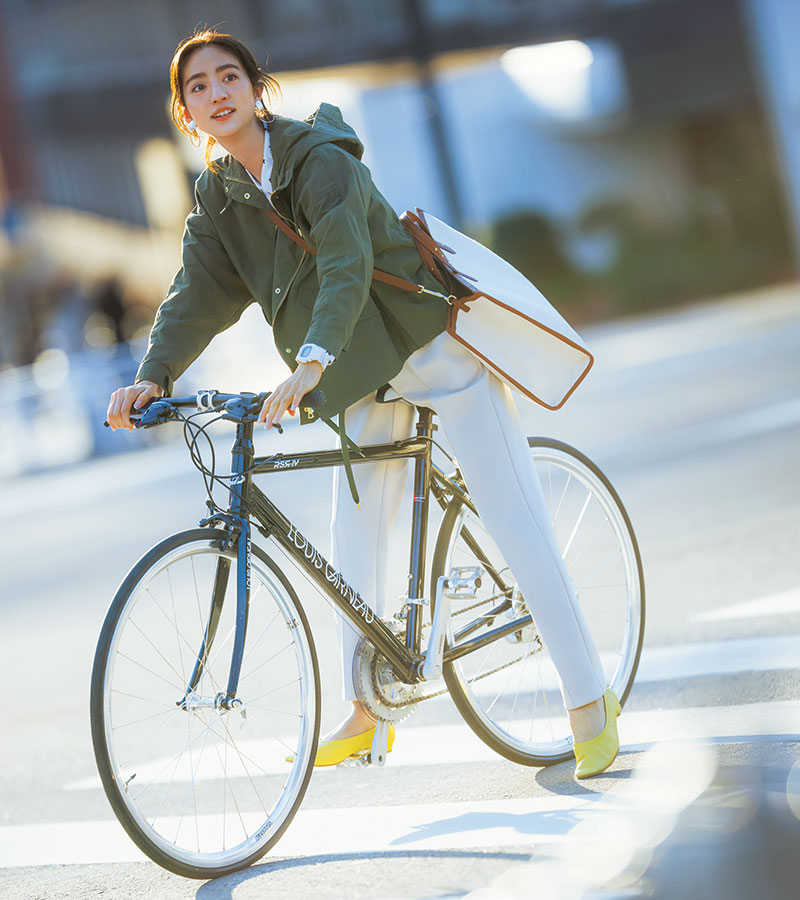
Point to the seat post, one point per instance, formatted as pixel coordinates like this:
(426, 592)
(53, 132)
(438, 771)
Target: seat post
(419, 533)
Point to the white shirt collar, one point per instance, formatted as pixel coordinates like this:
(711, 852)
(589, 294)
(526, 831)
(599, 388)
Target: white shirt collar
(266, 166)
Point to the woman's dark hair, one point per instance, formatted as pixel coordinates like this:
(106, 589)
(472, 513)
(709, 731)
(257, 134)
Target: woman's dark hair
(258, 77)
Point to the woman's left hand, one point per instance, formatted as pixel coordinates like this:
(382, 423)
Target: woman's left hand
(288, 394)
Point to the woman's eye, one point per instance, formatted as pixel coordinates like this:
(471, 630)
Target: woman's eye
(230, 75)
(197, 87)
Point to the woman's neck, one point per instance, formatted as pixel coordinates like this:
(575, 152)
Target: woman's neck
(247, 147)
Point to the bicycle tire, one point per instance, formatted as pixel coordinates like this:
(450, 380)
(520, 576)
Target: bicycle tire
(577, 495)
(210, 810)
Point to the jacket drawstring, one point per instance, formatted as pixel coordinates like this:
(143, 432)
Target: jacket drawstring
(348, 467)
(347, 445)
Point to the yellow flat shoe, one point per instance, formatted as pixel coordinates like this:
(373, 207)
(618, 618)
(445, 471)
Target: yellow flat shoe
(331, 753)
(596, 755)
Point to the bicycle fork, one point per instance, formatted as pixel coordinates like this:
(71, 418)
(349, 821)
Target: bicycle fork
(238, 519)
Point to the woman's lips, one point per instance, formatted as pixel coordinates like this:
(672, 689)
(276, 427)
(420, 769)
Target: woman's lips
(223, 114)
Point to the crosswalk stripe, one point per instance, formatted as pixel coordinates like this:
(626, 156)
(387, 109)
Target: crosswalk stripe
(455, 743)
(439, 826)
(691, 660)
(783, 604)
(719, 658)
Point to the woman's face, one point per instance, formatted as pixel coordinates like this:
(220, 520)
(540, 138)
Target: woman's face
(217, 92)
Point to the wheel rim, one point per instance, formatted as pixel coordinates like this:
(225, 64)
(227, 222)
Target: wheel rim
(207, 787)
(519, 701)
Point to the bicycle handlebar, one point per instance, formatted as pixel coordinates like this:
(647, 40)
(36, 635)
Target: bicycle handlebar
(241, 407)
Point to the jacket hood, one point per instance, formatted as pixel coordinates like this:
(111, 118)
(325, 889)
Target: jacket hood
(292, 140)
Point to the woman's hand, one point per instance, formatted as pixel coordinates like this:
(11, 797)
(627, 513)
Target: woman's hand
(288, 394)
(135, 396)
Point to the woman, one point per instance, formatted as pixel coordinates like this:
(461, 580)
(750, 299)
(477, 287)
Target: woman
(336, 328)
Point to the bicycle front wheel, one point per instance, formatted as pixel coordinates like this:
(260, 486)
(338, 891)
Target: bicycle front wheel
(201, 789)
(508, 691)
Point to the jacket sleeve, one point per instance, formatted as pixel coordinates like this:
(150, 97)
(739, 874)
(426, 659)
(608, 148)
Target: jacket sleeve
(334, 200)
(206, 297)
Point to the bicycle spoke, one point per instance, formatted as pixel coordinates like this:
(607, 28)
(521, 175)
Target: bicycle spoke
(272, 709)
(169, 664)
(150, 700)
(273, 690)
(175, 759)
(164, 712)
(242, 757)
(179, 634)
(577, 525)
(602, 566)
(261, 665)
(505, 685)
(265, 630)
(547, 704)
(605, 612)
(580, 552)
(178, 690)
(199, 790)
(227, 787)
(560, 502)
(192, 792)
(519, 686)
(174, 616)
(271, 734)
(144, 741)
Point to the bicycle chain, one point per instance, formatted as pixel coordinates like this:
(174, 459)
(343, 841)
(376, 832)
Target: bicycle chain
(461, 612)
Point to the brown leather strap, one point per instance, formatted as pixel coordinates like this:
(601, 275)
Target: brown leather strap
(377, 274)
(428, 247)
(461, 304)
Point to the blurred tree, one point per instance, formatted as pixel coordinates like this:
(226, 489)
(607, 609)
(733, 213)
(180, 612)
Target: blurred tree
(531, 242)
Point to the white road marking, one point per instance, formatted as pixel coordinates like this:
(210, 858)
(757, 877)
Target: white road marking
(711, 432)
(783, 604)
(437, 826)
(470, 824)
(456, 743)
(691, 660)
(719, 658)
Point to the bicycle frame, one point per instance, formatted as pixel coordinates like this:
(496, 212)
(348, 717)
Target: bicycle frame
(247, 500)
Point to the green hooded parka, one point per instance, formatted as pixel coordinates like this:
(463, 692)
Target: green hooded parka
(234, 255)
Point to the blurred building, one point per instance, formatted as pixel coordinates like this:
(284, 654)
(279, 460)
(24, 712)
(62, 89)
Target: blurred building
(582, 111)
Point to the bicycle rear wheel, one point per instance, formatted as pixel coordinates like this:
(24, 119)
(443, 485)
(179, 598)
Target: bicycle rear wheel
(508, 692)
(203, 790)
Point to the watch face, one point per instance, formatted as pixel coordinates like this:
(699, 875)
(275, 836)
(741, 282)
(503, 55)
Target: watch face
(304, 351)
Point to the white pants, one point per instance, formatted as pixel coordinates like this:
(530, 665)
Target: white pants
(477, 414)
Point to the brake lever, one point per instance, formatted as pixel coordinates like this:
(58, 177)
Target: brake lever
(135, 415)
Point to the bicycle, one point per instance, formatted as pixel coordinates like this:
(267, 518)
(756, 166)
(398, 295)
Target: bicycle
(205, 693)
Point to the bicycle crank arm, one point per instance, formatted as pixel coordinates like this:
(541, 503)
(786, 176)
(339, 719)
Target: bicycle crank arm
(462, 583)
(380, 743)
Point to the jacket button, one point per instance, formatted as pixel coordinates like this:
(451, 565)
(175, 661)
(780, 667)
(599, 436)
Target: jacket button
(277, 290)
(226, 190)
(247, 196)
(288, 349)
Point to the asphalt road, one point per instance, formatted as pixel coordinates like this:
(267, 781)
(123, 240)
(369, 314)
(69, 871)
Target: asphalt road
(694, 415)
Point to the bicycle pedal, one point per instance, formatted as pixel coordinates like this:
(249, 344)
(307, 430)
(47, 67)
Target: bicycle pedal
(463, 582)
(357, 760)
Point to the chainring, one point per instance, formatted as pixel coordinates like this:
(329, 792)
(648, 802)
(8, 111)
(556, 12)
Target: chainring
(377, 686)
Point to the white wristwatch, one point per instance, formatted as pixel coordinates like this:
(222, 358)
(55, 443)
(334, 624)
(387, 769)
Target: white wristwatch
(314, 353)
